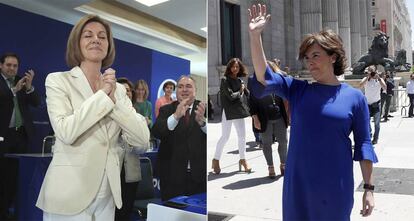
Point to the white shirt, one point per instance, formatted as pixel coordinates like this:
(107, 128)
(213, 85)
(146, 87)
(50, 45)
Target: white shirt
(373, 91)
(13, 117)
(410, 87)
(172, 122)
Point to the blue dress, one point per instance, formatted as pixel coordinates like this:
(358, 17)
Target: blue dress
(318, 182)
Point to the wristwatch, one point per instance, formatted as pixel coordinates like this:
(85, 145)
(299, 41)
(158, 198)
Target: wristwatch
(369, 187)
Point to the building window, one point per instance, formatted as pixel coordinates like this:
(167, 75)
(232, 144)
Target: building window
(230, 31)
(373, 22)
(373, 2)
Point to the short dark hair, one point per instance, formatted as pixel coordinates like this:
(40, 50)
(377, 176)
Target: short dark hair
(331, 43)
(9, 54)
(242, 71)
(124, 80)
(168, 83)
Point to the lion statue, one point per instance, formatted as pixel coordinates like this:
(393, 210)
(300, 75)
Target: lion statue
(401, 61)
(377, 55)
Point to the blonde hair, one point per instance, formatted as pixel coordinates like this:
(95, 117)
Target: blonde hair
(144, 84)
(74, 55)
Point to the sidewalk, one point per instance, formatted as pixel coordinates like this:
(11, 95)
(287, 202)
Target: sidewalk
(253, 197)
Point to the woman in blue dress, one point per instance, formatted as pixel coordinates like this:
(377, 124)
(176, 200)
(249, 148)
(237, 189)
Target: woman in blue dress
(318, 183)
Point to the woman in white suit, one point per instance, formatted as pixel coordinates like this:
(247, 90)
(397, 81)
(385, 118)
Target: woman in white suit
(88, 111)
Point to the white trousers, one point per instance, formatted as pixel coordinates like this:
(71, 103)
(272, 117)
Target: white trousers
(225, 133)
(102, 207)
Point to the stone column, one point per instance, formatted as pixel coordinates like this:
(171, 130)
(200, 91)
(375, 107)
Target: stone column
(345, 28)
(277, 32)
(364, 32)
(297, 34)
(330, 15)
(214, 46)
(310, 16)
(355, 31)
(369, 21)
(290, 44)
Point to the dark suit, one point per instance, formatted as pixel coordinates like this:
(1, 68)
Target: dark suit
(7, 106)
(15, 141)
(185, 143)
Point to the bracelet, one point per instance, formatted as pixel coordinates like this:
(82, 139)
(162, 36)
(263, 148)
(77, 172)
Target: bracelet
(369, 187)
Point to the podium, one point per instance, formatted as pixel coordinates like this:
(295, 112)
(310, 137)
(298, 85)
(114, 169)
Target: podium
(32, 170)
(195, 209)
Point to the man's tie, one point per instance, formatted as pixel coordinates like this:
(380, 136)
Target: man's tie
(187, 117)
(17, 113)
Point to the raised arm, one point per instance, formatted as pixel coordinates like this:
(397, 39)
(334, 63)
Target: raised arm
(257, 21)
(363, 82)
(383, 84)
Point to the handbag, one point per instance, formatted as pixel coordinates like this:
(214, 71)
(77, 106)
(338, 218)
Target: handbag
(374, 108)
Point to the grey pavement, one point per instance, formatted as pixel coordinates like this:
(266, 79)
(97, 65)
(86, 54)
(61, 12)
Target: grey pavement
(253, 197)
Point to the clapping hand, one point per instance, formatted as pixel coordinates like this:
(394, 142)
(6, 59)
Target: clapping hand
(19, 85)
(29, 79)
(199, 113)
(181, 108)
(257, 18)
(242, 88)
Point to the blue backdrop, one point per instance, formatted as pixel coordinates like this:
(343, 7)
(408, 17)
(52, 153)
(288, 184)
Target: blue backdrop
(40, 43)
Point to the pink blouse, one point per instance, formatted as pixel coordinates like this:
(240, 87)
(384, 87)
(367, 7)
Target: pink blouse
(161, 102)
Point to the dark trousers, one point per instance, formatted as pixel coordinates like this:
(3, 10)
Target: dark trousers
(387, 106)
(410, 110)
(188, 187)
(128, 191)
(15, 141)
(383, 98)
(193, 187)
(374, 111)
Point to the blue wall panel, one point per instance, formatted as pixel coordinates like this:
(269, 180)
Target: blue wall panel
(165, 67)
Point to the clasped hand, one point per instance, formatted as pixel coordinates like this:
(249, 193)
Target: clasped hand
(107, 83)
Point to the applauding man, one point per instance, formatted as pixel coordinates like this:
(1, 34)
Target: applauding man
(16, 95)
(181, 127)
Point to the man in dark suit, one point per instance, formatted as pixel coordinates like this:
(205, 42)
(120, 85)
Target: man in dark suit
(182, 129)
(16, 126)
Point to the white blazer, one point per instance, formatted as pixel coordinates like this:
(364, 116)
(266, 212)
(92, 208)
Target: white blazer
(87, 127)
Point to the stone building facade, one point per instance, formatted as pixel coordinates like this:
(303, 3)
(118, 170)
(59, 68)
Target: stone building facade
(393, 18)
(290, 21)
